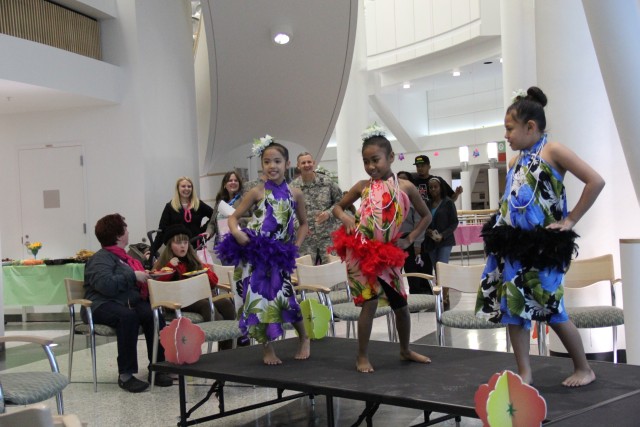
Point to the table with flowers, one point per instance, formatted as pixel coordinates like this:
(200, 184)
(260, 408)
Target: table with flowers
(32, 285)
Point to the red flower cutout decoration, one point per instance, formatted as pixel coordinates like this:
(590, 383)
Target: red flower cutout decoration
(182, 341)
(507, 401)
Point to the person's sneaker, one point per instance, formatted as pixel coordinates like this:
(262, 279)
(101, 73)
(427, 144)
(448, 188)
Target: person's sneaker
(162, 379)
(133, 385)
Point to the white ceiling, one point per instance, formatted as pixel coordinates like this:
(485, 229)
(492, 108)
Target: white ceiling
(292, 92)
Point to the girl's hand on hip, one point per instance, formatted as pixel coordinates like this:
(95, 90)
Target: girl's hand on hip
(563, 225)
(403, 243)
(349, 224)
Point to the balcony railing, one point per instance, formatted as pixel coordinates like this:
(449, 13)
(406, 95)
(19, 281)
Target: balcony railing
(51, 24)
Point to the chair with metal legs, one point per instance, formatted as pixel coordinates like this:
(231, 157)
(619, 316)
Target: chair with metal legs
(463, 279)
(327, 276)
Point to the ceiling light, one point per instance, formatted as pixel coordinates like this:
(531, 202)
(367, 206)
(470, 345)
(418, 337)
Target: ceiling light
(406, 85)
(281, 35)
(281, 38)
(501, 60)
(455, 73)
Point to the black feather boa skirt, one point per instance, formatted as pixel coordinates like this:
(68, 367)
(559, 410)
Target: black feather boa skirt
(539, 248)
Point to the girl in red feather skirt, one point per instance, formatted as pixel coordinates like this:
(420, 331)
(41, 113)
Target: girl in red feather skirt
(370, 243)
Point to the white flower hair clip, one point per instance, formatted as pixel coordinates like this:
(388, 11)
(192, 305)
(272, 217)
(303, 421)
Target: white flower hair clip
(374, 130)
(517, 95)
(260, 144)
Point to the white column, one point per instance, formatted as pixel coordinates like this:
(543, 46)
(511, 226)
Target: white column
(353, 117)
(161, 95)
(465, 178)
(629, 256)
(619, 22)
(615, 30)
(1, 299)
(579, 116)
(494, 187)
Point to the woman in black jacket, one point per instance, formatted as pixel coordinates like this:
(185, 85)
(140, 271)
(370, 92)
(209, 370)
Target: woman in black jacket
(443, 224)
(439, 238)
(186, 209)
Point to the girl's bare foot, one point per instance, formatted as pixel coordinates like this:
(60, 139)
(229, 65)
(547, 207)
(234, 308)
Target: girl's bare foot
(363, 364)
(304, 349)
(269, 356)
(414, 357)
(580, 378)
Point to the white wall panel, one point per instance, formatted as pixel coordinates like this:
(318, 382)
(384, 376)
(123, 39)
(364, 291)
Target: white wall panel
(371, 26)
(460, 12)
(442, 19)
(490, 117)
(423, 19)
(462, 34)
(385, 25)
(484, 100)
(474, 9)
(405, 24)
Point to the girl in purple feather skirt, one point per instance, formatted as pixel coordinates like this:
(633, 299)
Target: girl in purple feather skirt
(264, 254)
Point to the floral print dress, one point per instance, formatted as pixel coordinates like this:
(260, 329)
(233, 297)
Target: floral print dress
(523, 277)
(370, 253)
(262, 275)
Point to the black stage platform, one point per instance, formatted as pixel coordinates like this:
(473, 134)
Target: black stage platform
(447, 385)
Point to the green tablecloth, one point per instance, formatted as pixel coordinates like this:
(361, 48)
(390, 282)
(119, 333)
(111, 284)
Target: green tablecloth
(38, 284)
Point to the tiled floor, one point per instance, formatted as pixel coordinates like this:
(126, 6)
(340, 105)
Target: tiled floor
(111, 406)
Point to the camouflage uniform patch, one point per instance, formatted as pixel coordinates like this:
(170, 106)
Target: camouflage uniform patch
(320, 195)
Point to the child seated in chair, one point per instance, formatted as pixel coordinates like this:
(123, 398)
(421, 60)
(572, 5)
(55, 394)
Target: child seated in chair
(180, 256)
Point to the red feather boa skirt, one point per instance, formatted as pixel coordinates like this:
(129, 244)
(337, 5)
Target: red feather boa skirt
(375, 257)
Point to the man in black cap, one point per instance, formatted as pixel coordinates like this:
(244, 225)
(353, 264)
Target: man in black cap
(423, 168)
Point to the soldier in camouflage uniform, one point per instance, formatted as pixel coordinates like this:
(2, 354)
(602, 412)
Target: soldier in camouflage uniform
(320, 195)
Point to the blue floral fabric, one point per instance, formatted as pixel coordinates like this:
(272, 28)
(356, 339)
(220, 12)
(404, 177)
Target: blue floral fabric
(263, 273)
(512, 291)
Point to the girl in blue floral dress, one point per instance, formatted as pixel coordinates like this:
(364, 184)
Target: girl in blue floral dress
(530, 242)
(264, 253)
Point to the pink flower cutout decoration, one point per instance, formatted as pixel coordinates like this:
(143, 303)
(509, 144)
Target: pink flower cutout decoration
(507, 401)
(182, 341)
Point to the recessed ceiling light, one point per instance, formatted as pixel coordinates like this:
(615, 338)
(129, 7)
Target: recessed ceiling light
(455, 73)
(488, 62)
(281, 38)
(406, 85)
(281, 34)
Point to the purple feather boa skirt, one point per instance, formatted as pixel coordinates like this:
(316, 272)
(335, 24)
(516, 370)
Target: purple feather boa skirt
(264, 253)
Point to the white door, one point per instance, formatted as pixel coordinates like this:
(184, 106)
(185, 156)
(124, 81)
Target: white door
(52, 200)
